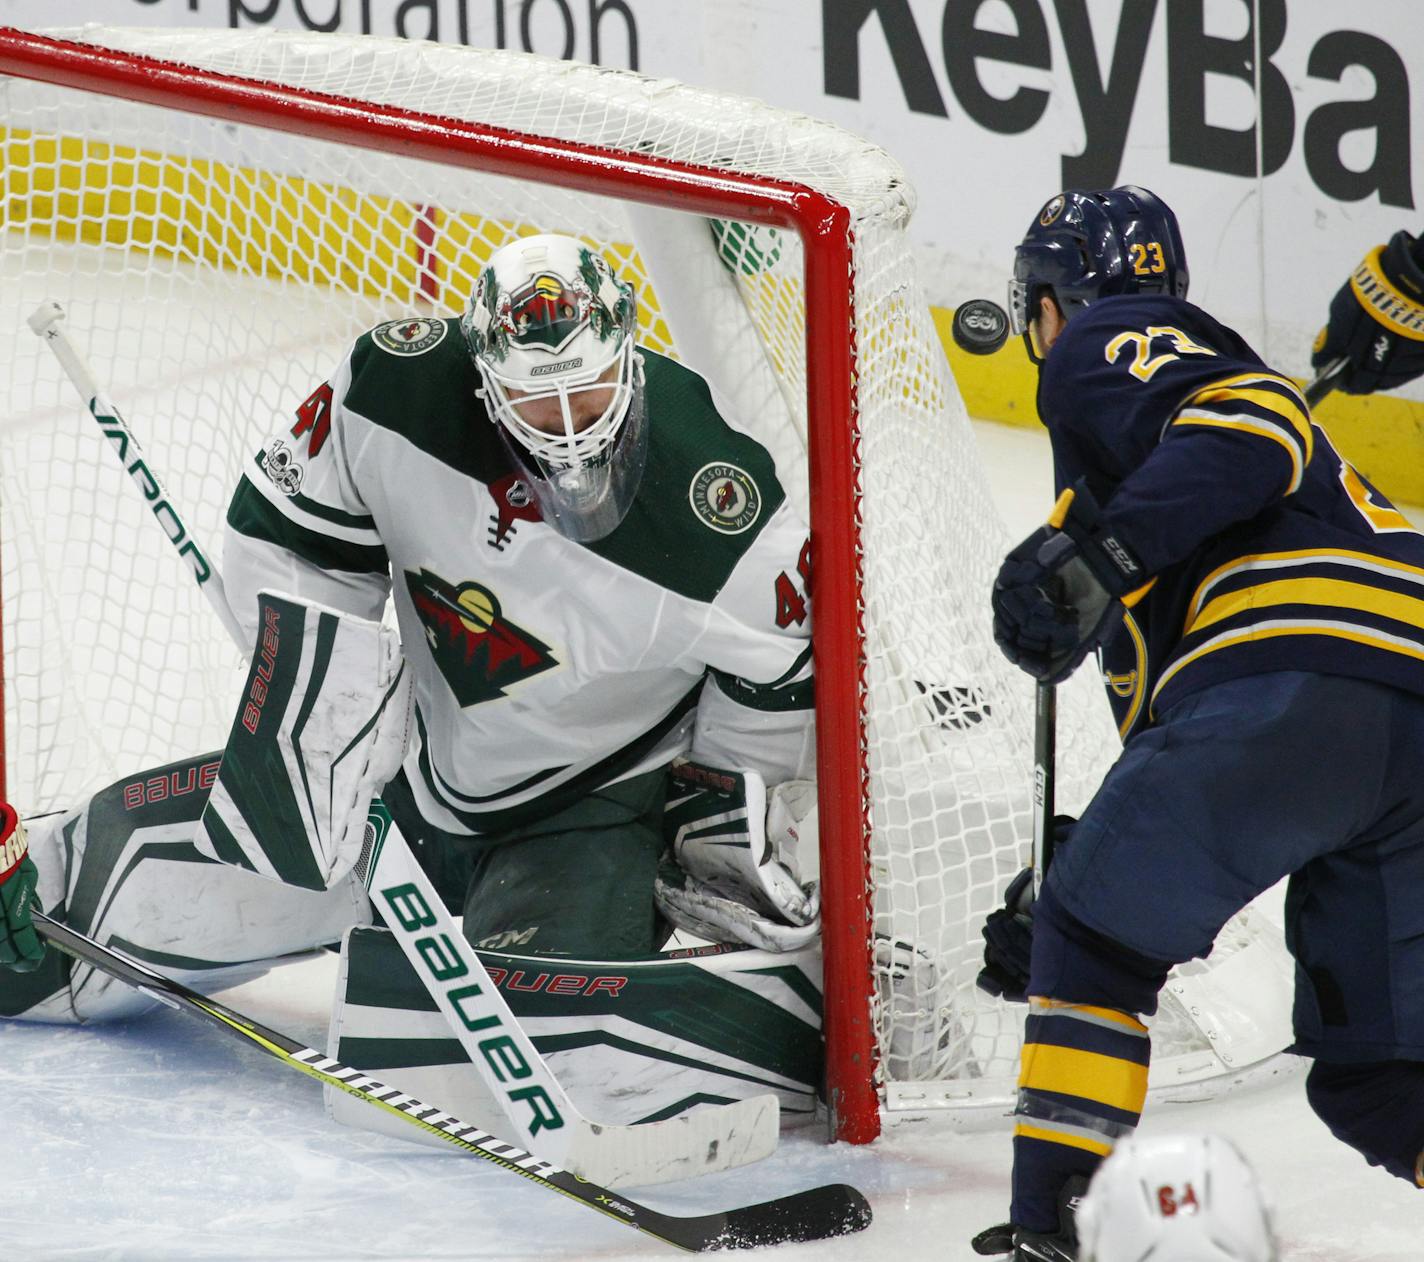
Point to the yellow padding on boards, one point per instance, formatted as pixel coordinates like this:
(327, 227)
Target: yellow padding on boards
(1120, 1084)
(260, 223)
(1382, 435)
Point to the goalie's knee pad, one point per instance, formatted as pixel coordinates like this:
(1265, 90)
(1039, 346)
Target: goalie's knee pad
(1079, 965)
(1377, 1108)
(122, 868)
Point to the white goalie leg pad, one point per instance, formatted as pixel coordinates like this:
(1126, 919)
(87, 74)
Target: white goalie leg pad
(121, 868)
(322, 725)
(752, 1026)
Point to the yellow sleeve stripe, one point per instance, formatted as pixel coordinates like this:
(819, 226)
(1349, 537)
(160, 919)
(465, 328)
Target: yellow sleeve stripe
(1271, 394)
(1395, 310)
(1101, 1147)
(1332, 593)
(1254, 386)
(1263, 429)
(1043, 1006)
(1342, 557)
(1120, 1084)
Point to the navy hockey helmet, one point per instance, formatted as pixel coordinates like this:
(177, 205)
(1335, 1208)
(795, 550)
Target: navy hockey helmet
(1085, 245)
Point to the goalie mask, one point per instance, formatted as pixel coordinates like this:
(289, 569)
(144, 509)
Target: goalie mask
(552, 332)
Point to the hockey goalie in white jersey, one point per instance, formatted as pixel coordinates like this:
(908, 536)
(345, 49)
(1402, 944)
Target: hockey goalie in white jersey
(602, 596)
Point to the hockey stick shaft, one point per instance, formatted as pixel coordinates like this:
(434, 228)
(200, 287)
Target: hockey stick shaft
(46, 324)
(1045, 734)
(1325, 381)
(543, 1116)
(830, 1210)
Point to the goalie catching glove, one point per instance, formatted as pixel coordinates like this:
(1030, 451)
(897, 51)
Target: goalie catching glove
(732, 872)
(1376, 320)
(321, 727)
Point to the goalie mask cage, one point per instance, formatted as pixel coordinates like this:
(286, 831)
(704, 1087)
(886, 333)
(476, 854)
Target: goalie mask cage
(220, 213)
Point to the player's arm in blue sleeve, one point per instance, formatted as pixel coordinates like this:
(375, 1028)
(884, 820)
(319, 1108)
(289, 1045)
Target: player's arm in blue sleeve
(1228, 452)
(1190, 430)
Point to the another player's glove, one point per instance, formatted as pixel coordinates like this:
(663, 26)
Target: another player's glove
(1058, 594)
(1377, 320)
(732, 873)
(1008, 931)
(20, 946)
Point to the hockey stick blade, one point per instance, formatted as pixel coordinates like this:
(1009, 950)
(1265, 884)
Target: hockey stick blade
(835, 1209)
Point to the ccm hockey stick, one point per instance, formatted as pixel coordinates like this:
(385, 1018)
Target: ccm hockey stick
(544, 1119)
(835, 1209)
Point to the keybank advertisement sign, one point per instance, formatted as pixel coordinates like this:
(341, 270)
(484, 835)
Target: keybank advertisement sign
(1282, 131)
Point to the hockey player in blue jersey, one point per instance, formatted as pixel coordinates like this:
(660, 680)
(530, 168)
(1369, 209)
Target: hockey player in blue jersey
(1258, 612)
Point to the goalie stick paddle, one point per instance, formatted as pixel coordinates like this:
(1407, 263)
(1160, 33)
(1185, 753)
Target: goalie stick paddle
(702, 1141)
(834, 1209)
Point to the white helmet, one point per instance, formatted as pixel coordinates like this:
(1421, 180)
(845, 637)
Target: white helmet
(549, 322)
(1175, 1198)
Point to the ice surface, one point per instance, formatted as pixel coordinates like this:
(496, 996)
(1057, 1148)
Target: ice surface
(164, 1139)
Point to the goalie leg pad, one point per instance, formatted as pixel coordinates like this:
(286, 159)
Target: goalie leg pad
(322, 725)
(123, 869)
(632, 1040)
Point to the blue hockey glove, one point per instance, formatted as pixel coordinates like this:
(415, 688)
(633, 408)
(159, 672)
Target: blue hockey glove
(20, 946)
(1008, 931)
(1377, 320)
(1057, 596)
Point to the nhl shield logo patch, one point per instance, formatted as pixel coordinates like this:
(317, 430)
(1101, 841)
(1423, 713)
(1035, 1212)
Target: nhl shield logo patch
(410, 337)
(726, 497)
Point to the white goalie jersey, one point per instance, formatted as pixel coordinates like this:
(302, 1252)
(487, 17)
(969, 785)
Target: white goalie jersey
(543, 668)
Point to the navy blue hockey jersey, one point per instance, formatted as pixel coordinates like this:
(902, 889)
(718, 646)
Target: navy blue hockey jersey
(1267, 550)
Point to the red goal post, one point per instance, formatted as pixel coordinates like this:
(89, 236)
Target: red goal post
(221, 212)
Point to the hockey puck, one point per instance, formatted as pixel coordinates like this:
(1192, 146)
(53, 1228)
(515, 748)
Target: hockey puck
(979, 326)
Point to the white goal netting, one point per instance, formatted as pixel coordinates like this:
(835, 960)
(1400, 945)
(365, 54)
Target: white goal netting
(213, 272)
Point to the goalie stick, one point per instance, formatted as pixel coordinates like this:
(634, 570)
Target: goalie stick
(710, 1139)
(833, 1209)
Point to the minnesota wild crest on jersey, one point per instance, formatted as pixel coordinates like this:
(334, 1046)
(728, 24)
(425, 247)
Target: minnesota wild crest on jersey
(543, 668)
(1268, 551)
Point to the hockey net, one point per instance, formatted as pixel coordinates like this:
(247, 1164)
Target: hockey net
(218, 233)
